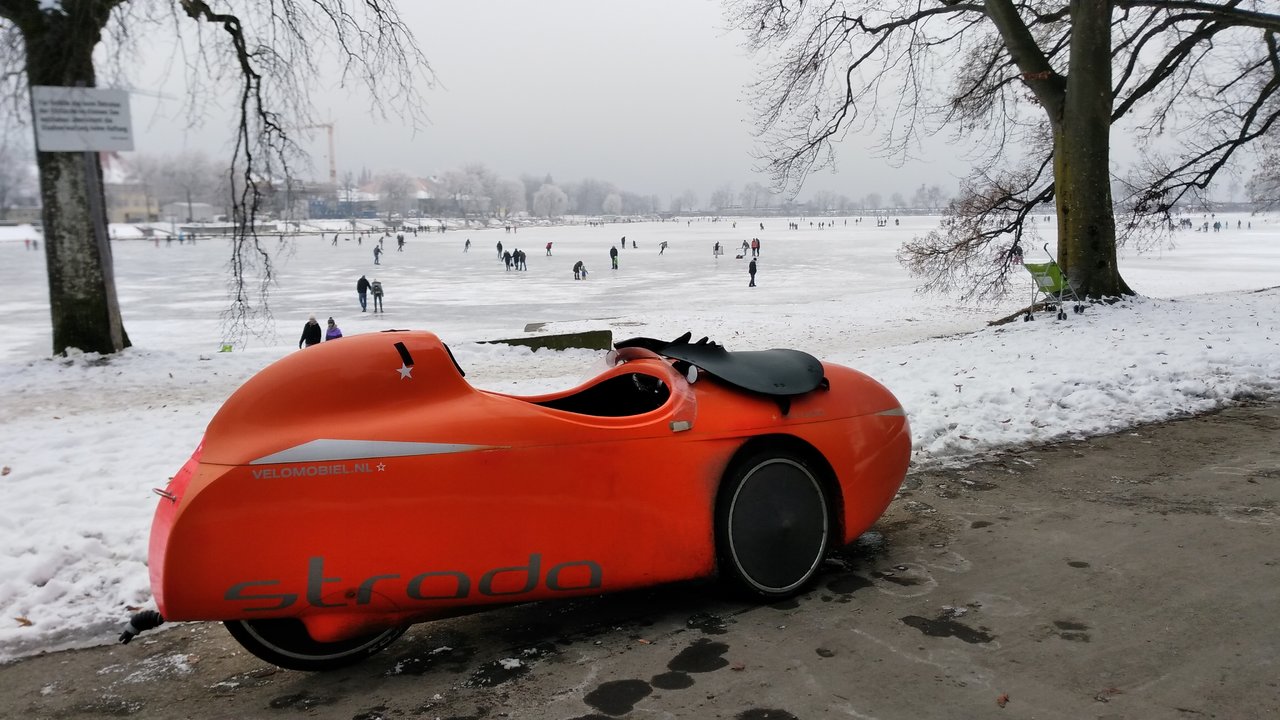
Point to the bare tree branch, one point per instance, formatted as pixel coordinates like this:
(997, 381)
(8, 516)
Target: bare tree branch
(1229, 12)
(979, 246)
(374, 47)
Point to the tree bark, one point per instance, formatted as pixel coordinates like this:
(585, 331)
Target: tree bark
(85, 312)
(1082, 158)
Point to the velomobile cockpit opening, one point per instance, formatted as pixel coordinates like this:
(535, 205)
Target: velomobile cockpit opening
(633, 393)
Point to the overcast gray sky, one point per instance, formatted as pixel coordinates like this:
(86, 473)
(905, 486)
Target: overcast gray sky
(648, 95)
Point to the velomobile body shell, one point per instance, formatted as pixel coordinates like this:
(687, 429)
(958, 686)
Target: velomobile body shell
(364, 483)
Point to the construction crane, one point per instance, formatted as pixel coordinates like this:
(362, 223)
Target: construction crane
(333, 166)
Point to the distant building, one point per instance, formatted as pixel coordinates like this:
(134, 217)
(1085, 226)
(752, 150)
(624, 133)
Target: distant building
(24, 213)
(426, 196)
(128, 200)
(22, 199)
(129, 203)
(190, 212)
(368, 201)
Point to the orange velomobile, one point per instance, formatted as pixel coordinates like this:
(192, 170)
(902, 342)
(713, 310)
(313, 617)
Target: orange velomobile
(319, 524)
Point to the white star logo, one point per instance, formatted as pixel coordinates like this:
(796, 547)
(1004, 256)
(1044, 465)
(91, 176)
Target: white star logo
(406, 372)
(381, 467)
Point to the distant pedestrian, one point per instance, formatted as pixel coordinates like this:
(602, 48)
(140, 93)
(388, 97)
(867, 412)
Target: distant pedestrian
(613, 256)
(506, 259)
(662, 247)
(755, 247)
(499, 249)
(466, 246)
(362, 290)
(333, 333)
(579, 270)
(623, 242)
(376, 287)
(752, 270)
(399, 242)
(548, 249)
(310, 333)
(377, 254)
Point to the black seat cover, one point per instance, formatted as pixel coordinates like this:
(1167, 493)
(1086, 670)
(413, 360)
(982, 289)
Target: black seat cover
(778, 372)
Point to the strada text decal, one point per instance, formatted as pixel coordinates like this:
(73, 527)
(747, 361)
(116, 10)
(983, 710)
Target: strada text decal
(572, 576)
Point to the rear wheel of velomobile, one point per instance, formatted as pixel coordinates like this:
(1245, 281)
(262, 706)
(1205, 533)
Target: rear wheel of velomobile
(286, 642)
(773, 523)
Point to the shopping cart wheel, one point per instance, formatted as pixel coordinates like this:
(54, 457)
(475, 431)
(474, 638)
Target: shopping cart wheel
(1062, 314)
(1028, 317)
(1079, 309)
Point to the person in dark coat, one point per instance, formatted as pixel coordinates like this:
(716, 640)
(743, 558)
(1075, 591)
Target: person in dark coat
(362, 290)
(310, 333)
(376, 287)
(613, 255)
(752, 270)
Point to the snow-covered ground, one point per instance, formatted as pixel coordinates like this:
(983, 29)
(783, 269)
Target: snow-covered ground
(83, 439)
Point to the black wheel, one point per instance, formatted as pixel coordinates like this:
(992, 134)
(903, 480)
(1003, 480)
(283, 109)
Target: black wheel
(1079, 309)
(1028, 317)
(772, 524)
(285, 642)
(1062, 314)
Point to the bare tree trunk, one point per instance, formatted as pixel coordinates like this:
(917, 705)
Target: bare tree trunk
(1082, 158)
(84, 310)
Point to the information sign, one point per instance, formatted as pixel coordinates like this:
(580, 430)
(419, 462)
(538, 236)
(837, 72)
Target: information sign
(73, 119)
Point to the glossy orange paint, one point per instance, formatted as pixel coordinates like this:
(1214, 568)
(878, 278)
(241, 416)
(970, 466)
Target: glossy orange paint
(358, 486)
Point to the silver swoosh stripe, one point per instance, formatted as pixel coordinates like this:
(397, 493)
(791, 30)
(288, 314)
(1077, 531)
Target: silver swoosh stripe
(335, 450)
(895, 411)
